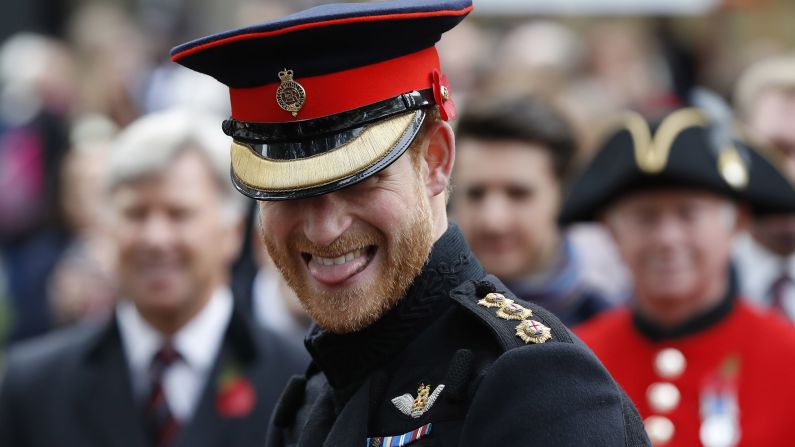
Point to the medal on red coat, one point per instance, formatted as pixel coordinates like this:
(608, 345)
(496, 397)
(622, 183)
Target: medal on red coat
(720, 413)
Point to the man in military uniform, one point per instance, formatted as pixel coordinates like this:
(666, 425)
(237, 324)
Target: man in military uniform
(339, 120)
(702, 366)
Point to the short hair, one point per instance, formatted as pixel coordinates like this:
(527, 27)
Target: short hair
(529, 119)
(775, 73)
(152, 143)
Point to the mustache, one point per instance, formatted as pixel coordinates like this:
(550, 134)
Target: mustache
(347, 242)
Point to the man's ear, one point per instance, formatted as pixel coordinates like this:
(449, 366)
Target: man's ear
(439, 158)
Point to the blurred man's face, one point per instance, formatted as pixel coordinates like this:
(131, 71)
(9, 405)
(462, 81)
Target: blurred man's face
(351, 254)
(676, 244)
(771, 119)
(506, 200)
(174, 242)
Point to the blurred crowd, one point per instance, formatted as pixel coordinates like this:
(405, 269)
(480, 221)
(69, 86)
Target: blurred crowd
(67, 91)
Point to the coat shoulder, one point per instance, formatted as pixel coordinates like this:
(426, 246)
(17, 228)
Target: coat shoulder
(547, 378)
(49, 354)
(512, 321)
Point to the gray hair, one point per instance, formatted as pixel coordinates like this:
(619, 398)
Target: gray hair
(152, 143)
(776, 74)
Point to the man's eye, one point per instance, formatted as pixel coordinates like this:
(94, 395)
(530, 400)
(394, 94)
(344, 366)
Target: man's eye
(519, 193)
(134, 214)
(179, 214)
(475, 194)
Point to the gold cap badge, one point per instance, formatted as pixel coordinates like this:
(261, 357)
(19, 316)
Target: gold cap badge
(290, 95)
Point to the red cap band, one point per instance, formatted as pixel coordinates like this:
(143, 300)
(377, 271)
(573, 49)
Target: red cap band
(340, 91)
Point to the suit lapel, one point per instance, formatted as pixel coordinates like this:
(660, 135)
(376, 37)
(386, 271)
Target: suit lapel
(208, 427)
(103, 394)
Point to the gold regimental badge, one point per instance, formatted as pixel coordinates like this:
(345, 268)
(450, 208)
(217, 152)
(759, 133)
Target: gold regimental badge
(732, 167)
(494, 299)
(290, 95)
(531, 331)
(417, 406)
(513, 311)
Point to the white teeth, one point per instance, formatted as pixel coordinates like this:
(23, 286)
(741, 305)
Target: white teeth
(347, 257)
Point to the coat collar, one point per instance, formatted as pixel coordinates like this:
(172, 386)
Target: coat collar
(695, 324)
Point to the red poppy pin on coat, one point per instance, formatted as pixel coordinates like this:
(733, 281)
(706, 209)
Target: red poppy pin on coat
(236, 396)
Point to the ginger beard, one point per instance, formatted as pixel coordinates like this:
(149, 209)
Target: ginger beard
(397, 259)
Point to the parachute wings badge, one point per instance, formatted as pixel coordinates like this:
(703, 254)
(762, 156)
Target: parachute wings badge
(417, 406)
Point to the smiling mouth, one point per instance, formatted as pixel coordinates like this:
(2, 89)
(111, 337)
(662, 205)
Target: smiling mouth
(341, 259)
(333, 270)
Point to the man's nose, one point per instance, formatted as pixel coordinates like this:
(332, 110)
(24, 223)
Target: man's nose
(668, 230)
(156, 231)
(494, 214)
(327, 218)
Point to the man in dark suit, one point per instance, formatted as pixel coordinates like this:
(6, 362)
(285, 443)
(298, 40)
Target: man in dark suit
(339, 119)
(178, 364)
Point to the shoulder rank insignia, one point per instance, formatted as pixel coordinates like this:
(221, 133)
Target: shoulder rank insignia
(290, 95)
(494, 299)
(417, 406)
(400, 440)
(531, 331)
(513, 311)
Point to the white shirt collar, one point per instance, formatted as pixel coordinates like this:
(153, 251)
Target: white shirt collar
(270, 308)
(197, 342)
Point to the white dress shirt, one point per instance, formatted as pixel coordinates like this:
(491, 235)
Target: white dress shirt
(758, 269)
(198, 343)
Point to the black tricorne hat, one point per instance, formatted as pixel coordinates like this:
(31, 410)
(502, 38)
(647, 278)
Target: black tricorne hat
(329, 96)
(683, 150)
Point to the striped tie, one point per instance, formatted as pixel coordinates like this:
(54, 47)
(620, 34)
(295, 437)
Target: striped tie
(160, 423)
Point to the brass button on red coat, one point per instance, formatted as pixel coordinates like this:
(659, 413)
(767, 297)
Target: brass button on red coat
(670, 363)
